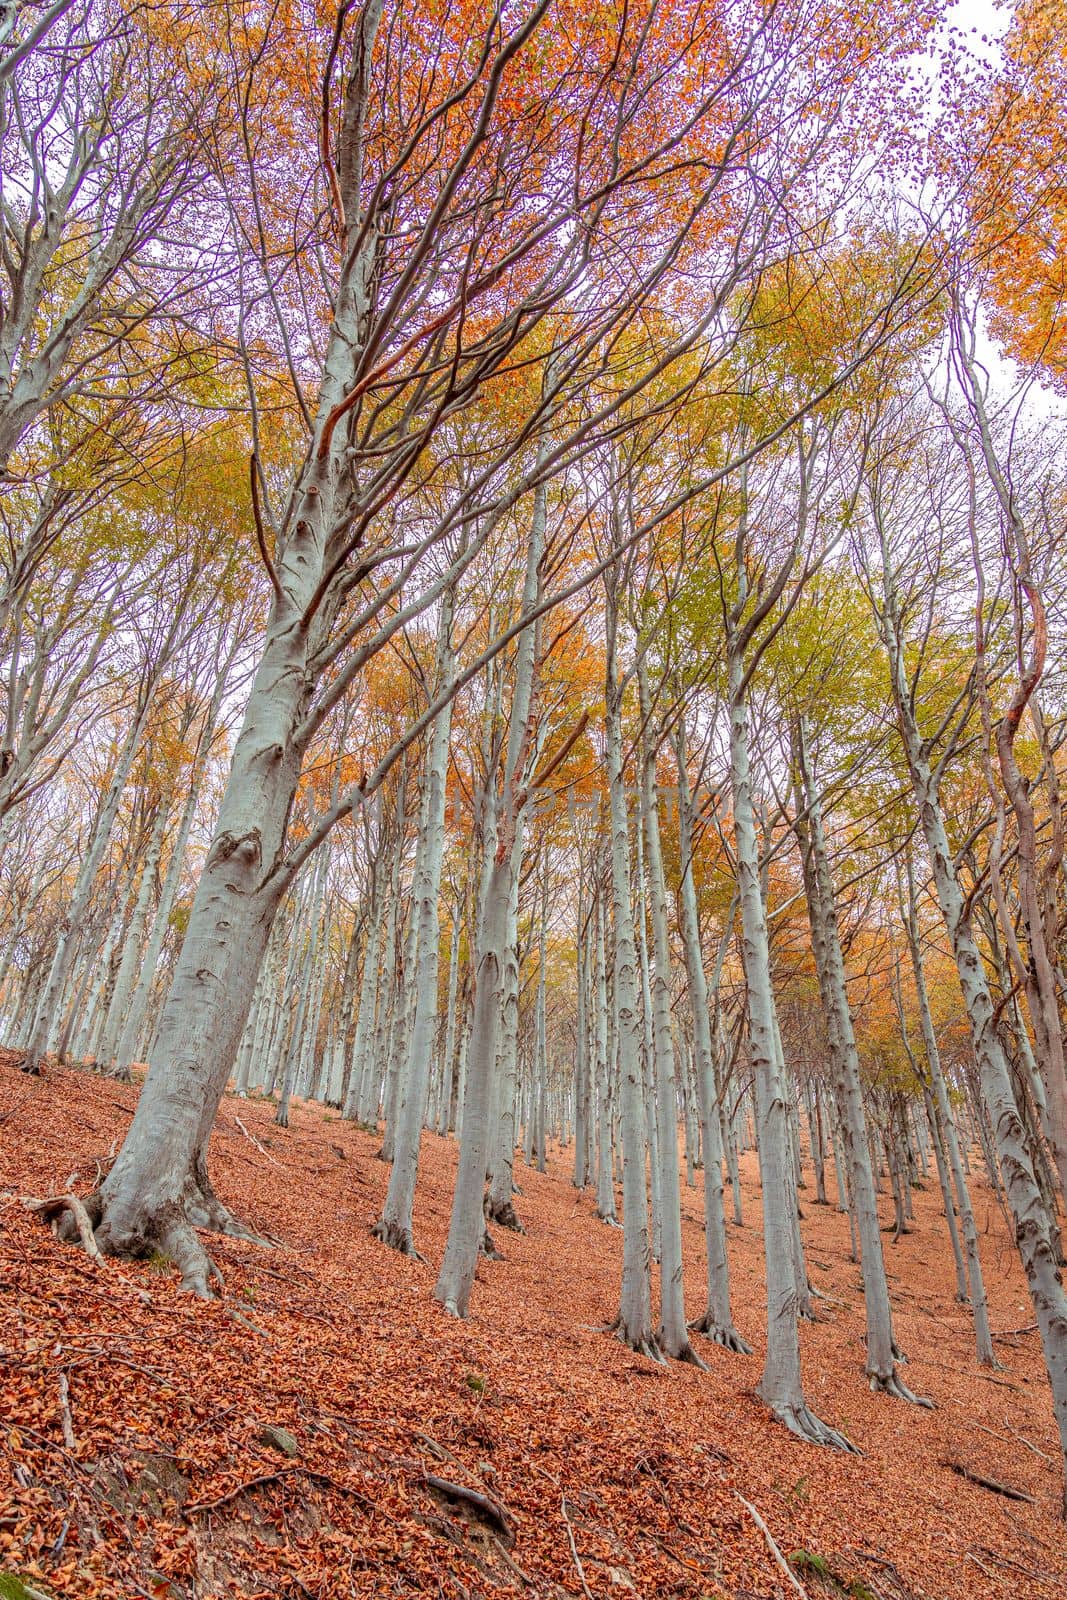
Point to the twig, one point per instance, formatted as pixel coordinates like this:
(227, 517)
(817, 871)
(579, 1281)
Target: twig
(49, 1209)
(241, 1488)
(989, 1483)
(574, 1551)
(253, 1140)
(64, 1413)
(1011, 1333)
(773, 1548)
(1023, 1440)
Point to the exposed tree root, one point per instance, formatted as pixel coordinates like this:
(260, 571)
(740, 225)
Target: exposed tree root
(720, 1333)
(106, 1225)
(609, 1222)
(51, 1209)
(892, 1385)
(504, 1214)
(643, 1344)
(686, 1353)
(397, 1238)
(807, 1426)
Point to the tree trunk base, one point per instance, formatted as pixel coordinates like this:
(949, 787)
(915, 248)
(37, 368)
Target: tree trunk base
(503, 1213)
(680, 1351)
(890, 1384)
(166, 1226)
(644, 1343)
(397, 1238)
(721, 1333)
(488, 1249)
(807, 1426)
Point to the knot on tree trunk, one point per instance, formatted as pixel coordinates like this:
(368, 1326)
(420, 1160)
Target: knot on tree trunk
(244, 847)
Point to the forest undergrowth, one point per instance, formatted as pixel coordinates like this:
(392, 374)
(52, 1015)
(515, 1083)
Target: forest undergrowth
(325, 1429)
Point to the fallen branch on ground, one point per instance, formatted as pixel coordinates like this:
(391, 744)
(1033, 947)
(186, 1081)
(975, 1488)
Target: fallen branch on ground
(48, 1210)
(989, 1483)
(773, 1548)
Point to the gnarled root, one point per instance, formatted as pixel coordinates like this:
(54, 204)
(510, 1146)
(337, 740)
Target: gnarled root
(116, 1225)
(721, 1333)
(807, 1426)
(204, 1209)
(503, 1213)
(684, 1353)
(644, 1344)
(397, 1238)
(79, 1221)
(608, 1221)
(892, 1385)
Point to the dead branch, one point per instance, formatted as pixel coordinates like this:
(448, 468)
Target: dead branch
(992, 1484)
(579, 1569)
(65, 1417)
(773, 1548)
(48, 1210)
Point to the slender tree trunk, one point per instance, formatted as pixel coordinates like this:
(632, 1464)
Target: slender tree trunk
(982, 1333)
(395, 1224)
(634, 1321)
(780, 1385)
(673, 1334)
(845, 1064)
(717, 1322)
(1024, 1194)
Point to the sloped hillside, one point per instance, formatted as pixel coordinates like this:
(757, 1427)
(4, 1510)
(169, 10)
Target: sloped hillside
(326, 1430)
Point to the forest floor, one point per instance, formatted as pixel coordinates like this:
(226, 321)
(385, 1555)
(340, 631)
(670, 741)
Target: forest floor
(136, 1457)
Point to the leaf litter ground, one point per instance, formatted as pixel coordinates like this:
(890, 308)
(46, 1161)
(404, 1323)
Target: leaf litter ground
(281, 1441)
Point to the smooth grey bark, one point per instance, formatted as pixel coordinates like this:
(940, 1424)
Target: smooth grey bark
(45, 1022)
(882, 1351)
(133, 1025)
(467, 1224)
(780, 1384)
(506, 821)
(673, 1333)
(364, 1028)
(717, 1321)
(580, 1174)
(448, 1057)
(634, 1321)
(1024, 1194)
(395, 1223)
(499, 1199)
(648, 1065)
(947, 1124)
(304, 986)
(131, 949)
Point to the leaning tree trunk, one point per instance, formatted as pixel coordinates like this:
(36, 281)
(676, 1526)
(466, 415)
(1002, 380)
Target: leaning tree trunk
(1024, 1195)
(982, 1332)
